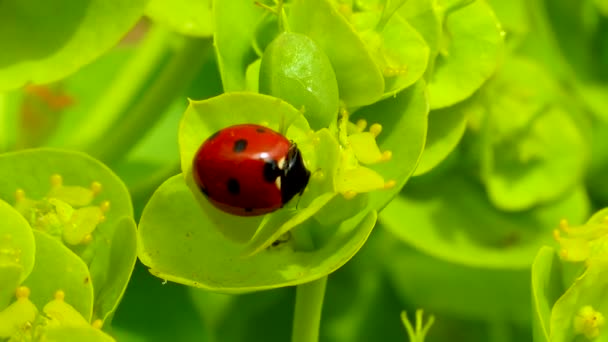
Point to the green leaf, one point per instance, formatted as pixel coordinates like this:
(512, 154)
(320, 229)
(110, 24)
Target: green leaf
(546, 289)
(112, 266)
(538, 146)
(470, 47)
(232, 40)
(16, 244)
(446, 128)
(178, 243)
(404, 121)
(465, 291)
(203, 118)
(58, 269)
(191, 18)
(424, 17)
(31, 170)
(72, 333)
(296, 70)
(587, 290)
(434, 215)
(63, 43)
(10, 274)
(343, 47)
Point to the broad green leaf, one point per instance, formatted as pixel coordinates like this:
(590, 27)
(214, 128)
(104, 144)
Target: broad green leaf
(434, 216)
(296, 70)
(538, 146)
(426, 19)
(232, 40)
(446, 128)
(546, 289)
(203, 118)
(588, 290)
(400, 52)
(360, 81)
(10, 274)
(178, 243)
(17, 246)
(192, 18)
(73, 334)
(465, 291)
(470, 47)
(58, 269)
(112, 266)
(42, 48)
(31, 171)
(404, 129)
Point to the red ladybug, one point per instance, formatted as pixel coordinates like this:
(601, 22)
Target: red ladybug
(249, 170)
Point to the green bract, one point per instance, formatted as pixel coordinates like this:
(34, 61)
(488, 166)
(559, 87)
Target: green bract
(51, 190)
(192, 18)
(295, 69)
(568, 296)
(63, 43)
(344, 48)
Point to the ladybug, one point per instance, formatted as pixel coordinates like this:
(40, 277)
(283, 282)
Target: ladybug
(249, 170)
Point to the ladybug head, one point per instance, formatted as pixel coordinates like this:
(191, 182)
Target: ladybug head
(295, 175)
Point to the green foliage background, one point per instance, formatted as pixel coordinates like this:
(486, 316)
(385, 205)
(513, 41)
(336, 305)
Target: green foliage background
(496, 114)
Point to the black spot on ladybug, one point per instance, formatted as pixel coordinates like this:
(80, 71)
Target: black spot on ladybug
(214, 135)
(248, 210)
(204, 191)
(260, 130)
(271, 170)
(240, 145)
(233, 186)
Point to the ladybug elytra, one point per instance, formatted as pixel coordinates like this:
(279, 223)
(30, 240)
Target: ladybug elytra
(249, 170)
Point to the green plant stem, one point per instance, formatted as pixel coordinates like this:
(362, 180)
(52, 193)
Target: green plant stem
(307, 316)
(124, 88)
(173, 79)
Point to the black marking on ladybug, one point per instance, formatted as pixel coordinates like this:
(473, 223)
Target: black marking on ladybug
(233, 186)
(295, 175)
(260, 130)
(248, 210)
(214, 135)
(204, 191)
(271, 170)
(240, 145)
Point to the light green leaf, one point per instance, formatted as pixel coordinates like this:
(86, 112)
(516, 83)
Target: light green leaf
(74, 334)
(434, 216)
(16, 243)
(42, 48)
(345, 50)
(470, 47)
(10, 274)
(191, 18)
(404, 121)
(446, 128)
(58, 269)
(178, 243)
(232, 40)
(546, 289)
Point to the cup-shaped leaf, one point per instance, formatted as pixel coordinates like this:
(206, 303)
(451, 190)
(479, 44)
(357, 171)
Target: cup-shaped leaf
(192, 18)
(404, 128)
(76, 333)
(233, 40)
(296, 70)
(63, 43)
(470, 47)
(433, 215)
(57, 268)
(53, 179)
(16, 243)
(203, 118)
(360, 80)
(446, 128)
(178, 242)
(537, 146)
(546, 289)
